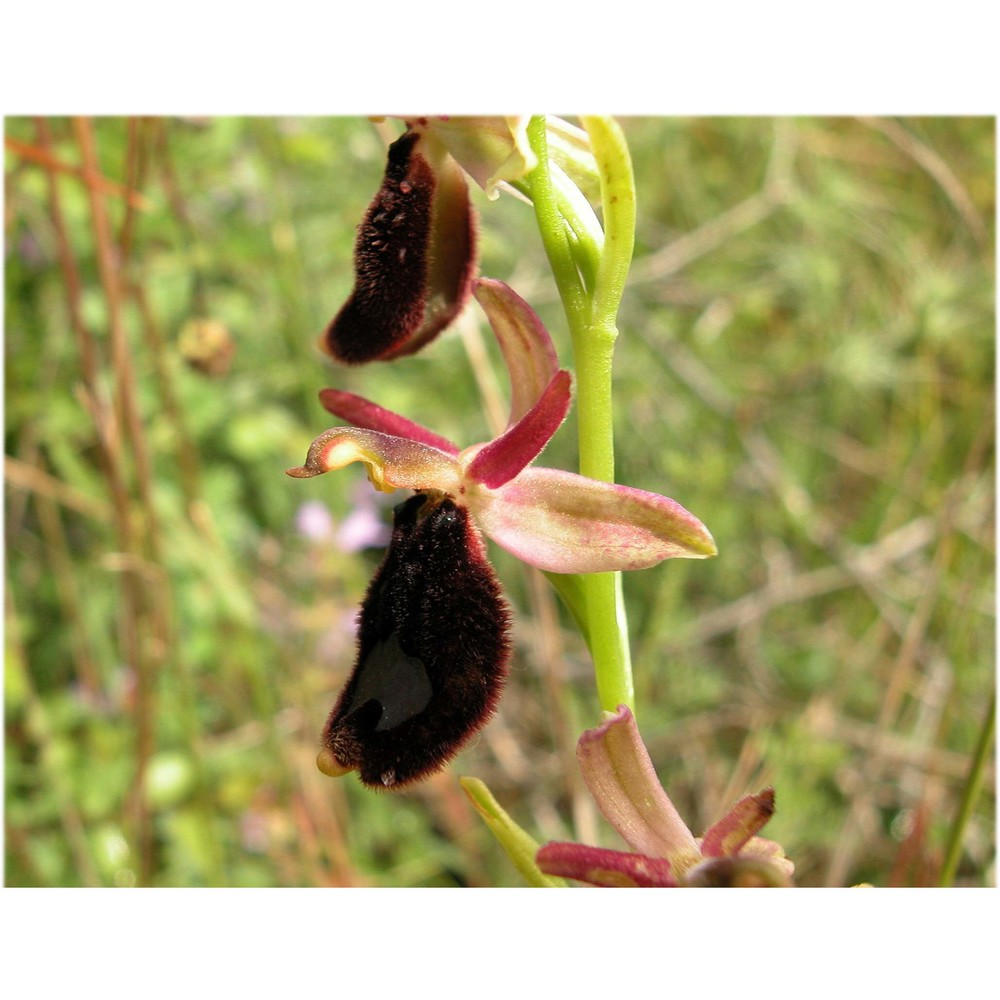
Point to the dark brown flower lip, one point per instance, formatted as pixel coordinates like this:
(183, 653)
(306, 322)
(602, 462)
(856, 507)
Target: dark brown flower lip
(414, 258)
(433, 652)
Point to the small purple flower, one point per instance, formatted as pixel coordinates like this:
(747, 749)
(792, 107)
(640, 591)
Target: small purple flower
(314, 521)
(362, 529)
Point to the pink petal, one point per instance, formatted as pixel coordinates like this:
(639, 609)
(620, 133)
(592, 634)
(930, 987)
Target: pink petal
(565, 523)
(747, 817)
(393, 462)
(617, 769)
(603, 867)
(362, 413)
(503, 458)
(526, 345)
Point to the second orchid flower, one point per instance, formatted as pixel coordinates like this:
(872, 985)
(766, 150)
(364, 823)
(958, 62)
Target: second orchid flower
(409, 706)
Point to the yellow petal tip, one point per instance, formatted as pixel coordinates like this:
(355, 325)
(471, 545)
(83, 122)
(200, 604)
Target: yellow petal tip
(329, 764)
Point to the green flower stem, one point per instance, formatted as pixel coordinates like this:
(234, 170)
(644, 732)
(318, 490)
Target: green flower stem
(592, 323)
(521, 848)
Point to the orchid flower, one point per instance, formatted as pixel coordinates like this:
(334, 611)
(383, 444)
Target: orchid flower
(433, 650)
(415, 251)
(619, 773)
(558, 521)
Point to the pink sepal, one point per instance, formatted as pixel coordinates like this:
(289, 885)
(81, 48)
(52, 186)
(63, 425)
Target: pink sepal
(361, 412)
(603, 867)
(620, 775)
(565, 523)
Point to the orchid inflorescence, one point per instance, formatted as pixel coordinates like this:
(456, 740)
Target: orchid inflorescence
(433, 634)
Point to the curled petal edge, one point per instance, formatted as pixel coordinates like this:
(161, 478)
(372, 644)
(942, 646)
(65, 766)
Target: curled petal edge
(452, 252)
(392, 462)
(727, 837)
(622, 780)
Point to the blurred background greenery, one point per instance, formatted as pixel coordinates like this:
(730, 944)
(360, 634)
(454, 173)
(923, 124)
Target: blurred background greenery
(806, 362)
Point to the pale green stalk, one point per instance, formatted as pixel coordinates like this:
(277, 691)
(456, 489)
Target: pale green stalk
(521, 848)
(592, 315)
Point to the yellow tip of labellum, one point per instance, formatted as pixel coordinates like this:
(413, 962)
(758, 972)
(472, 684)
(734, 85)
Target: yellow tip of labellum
(328, 764)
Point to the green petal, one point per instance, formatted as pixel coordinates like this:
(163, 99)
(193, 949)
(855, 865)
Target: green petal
(490, 148)
(570, 150)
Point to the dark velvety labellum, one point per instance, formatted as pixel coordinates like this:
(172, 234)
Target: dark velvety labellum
(387, 304)
(433, 650)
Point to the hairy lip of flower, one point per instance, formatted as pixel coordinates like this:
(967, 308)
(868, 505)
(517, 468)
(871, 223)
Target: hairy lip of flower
(414, 257)
(433, 652)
